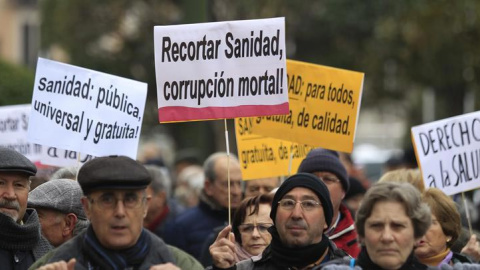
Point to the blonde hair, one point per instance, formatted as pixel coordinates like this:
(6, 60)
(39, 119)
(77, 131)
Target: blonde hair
(412, 176)
(445, 210)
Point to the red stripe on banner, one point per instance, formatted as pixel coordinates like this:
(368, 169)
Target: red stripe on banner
(179, 113)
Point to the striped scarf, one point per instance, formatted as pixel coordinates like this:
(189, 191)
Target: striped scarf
(102, 258)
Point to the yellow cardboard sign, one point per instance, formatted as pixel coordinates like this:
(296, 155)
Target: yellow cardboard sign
(324, 106)
(262, 157)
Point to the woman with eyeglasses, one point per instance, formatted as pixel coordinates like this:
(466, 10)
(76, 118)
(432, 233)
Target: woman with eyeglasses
(250, 224)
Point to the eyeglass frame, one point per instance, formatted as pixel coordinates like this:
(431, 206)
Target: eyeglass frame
(139, 201)
(327, 179)
(264, 227)
(314, 202)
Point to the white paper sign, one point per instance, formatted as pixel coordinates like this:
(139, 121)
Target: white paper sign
(221, 70)
(63, 158)
(86, 111)
(13, 134)
(449, 153)
(13, 131)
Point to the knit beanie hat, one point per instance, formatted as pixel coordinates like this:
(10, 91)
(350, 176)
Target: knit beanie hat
(324, 160)
(63, 195)
(311, 182)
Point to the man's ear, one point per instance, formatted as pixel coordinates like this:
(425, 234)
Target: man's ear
(70, 221)
(208, 187)
(86, 206)
(147, 204)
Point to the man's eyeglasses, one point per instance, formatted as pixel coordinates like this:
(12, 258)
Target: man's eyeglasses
(109, 201)
(307, 205)
(248, 228)
(329, 179)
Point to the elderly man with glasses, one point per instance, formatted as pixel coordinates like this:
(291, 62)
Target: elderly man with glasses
(115, 201)
(301, 212)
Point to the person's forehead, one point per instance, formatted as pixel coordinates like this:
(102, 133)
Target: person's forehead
(13, 176)
(116, 191)
(323, 173)
(222, 163)
(383, 209)
(301, 192)
(262, 182)
(221, 171)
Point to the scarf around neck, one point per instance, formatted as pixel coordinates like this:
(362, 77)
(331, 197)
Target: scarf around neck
(14, 236)
(438, 259)
(298, 257)
(240, 253)
(115, 259)
(366, 263)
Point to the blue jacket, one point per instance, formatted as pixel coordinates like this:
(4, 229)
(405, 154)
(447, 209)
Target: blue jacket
(190, 229)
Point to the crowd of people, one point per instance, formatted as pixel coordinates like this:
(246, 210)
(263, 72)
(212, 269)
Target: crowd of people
(115, 212)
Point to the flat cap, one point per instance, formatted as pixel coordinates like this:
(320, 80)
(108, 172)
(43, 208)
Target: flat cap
(112, 172)
(63, 195)
(13, 161)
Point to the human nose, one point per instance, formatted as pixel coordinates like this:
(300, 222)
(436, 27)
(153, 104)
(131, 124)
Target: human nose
(236, 188)
(119, 207)
(297, 210)
(387, 234)
(8, 191)
(256, 232)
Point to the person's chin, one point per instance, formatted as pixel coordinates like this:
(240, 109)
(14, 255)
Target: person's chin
(389, 262)
(13, 214)
(256, 249)
(119, 243)
(297, 242)
(422, 252)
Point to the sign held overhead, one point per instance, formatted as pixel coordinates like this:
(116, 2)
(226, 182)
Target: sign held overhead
(221, 70)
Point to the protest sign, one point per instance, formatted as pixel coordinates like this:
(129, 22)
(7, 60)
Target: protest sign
(262, 157)
(86, 111)
(324, 107)
(13, 135)
(221, 70)
(448, 152)
(63, 158)
(13, 131)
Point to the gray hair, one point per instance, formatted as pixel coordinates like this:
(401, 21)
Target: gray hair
(160, 180)
(65, 173)
(209, 165)
(80, 226)
(404, 193)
